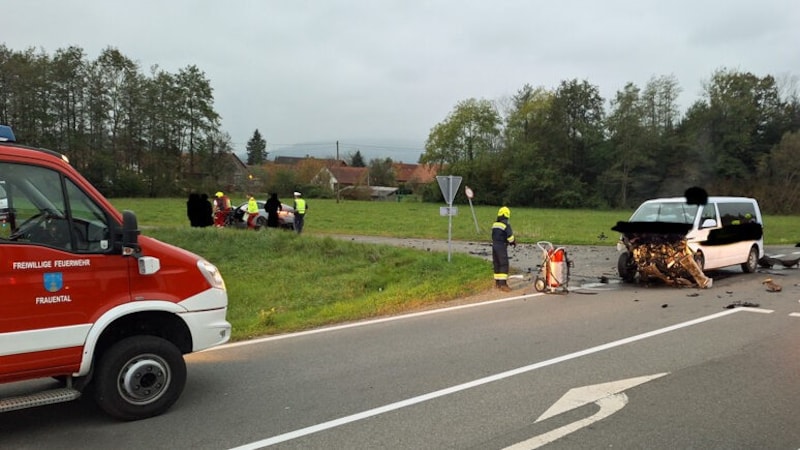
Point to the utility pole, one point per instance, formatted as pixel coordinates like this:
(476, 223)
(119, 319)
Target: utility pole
(337, 162)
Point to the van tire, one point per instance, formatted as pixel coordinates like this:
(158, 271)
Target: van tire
(700, 260)
(626, 267)
(751, 264)
(139, 377)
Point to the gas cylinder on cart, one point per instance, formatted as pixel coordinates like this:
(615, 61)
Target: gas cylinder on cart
(556, 267)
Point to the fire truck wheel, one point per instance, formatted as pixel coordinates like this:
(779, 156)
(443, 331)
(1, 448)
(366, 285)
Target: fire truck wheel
(139, 377)
(751, 264)
(539, 284)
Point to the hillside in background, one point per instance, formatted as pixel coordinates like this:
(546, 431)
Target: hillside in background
(399, 150)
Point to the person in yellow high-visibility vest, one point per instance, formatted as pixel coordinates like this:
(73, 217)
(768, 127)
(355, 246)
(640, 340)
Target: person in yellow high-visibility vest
(300, 208)
(252, 212)
(502, 237)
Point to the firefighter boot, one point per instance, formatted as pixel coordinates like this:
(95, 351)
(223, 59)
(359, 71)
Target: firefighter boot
(504, 286)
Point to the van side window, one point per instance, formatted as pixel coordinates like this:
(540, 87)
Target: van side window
(709, 212)
(39, 203)
(737, 213)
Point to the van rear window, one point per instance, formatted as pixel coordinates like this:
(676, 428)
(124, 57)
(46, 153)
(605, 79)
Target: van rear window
(736, 213)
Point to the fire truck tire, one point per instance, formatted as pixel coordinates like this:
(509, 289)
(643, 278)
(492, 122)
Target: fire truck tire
(751, 264)
(139, 377)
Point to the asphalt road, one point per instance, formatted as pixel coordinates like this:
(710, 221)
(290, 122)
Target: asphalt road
(678, 368)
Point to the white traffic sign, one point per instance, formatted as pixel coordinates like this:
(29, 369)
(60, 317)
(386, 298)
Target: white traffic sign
(470, 195)
(449, 185)
(445, 211)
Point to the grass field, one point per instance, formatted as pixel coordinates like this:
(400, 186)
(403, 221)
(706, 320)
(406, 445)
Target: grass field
(280, 282)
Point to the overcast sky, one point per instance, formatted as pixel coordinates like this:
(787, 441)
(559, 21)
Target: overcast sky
(369, 71)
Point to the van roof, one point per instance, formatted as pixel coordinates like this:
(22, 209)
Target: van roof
(714, 199)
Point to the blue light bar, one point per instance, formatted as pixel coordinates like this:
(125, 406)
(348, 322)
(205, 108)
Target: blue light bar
(7, 134)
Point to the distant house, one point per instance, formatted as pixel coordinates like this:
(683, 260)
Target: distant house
(410, 176)
(230, 173)
(336, 178)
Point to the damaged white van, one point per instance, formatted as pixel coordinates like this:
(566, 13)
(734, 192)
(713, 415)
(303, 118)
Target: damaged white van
(725, 231)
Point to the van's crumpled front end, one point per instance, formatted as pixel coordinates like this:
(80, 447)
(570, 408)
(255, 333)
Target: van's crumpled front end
(659, 250)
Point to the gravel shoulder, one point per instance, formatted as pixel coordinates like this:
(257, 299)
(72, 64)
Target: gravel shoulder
(590, 263)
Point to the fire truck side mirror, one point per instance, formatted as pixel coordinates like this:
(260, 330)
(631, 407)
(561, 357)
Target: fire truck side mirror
(130, 233)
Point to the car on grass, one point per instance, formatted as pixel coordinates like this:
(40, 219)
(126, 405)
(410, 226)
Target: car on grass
(285, 215)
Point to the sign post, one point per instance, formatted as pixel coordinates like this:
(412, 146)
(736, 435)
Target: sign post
(449, 185)
(470, 194)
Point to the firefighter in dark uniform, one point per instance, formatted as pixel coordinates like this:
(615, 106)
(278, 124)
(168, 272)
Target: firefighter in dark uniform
(502, 237)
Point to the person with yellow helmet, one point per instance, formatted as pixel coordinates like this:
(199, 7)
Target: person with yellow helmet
(222, 207)
(502, 237)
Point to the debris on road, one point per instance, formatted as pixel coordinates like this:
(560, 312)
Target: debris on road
(741, 303)
(771, 285)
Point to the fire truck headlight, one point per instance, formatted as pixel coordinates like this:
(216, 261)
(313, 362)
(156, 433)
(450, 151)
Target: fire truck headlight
(211, 273)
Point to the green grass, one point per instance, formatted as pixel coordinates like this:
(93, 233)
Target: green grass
(422, 220)
(280, 282)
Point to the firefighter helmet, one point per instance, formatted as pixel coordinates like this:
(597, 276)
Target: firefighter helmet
(504, 212)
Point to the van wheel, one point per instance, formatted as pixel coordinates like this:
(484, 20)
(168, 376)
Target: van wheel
(700, 260)
(751, 264)
(139, 377)
(626, 267)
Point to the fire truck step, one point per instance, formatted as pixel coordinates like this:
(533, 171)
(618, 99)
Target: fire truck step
(39, 399)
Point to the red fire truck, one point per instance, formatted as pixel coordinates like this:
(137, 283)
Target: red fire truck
(86, 301)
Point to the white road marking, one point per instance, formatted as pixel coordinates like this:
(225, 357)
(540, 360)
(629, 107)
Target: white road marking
(481, 381)
(370, 322)
(608, 396)
(608, 406)
(577, 397)
(794, 314)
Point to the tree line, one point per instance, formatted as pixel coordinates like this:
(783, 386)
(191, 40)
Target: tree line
(129, 133)
(562, 148)
(158, 134)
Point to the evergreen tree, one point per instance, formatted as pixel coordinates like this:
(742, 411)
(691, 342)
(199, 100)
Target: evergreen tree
(256, 149)
(357, 160)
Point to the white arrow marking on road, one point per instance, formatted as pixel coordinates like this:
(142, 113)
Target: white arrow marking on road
(577, 397)
(608, 396)
(608, 406)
